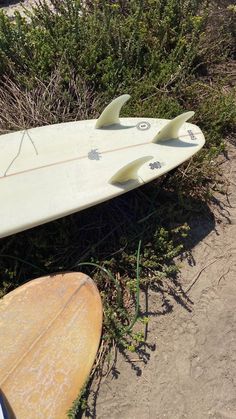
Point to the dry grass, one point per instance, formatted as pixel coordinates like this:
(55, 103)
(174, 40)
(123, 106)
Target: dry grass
(44, 104)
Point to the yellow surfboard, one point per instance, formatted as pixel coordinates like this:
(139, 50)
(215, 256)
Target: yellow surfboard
(50, 330)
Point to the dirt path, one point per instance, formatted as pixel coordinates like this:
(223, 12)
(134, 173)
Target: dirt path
(192, 371)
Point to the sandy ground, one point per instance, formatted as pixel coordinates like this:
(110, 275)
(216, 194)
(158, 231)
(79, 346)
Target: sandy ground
(188, 370)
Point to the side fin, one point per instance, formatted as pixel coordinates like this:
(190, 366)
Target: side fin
(171, 129)
(129, 171)
(111, 113)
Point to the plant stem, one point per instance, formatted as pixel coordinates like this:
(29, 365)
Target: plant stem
(118, 288)
(137, 289)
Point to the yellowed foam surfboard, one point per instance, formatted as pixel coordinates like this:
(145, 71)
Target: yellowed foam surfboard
(50, 330)
(52, 171)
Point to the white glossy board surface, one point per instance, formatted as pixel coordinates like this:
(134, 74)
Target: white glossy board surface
(49, 172)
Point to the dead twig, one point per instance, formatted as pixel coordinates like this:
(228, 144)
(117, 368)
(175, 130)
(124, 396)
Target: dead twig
(200, 272)
(223, 275)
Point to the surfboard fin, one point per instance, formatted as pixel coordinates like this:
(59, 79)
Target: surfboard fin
(111, 113)
(129, 171)
(171, 129)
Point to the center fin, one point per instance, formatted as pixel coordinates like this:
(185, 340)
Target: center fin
(171, 129)
(111, 113)
(129, 171)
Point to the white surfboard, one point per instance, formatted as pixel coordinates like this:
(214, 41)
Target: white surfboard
(52, 171)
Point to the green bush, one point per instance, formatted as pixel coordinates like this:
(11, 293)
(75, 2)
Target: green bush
(110, 45)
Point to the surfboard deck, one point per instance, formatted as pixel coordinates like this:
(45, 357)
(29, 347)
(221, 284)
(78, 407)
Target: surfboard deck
(50, 330)
(52, 171)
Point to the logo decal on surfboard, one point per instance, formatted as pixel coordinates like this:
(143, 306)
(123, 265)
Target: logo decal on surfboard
(143, 126)
(94, 154)
(191, 134)
(155, 165)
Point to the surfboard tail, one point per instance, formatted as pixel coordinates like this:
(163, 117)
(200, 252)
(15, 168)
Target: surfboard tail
(172, 128)
(110, 115)
(129, 171)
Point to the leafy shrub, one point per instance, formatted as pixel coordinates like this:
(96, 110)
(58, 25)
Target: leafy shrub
(110, 45)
